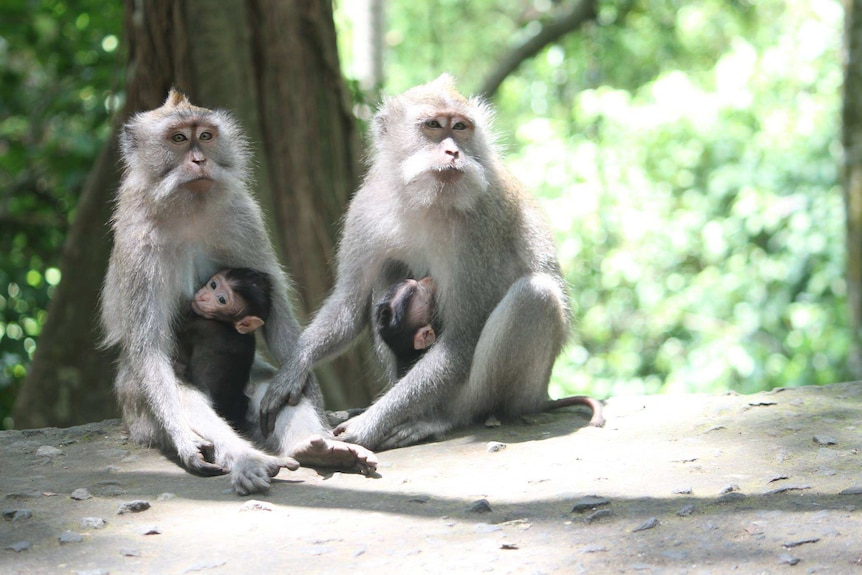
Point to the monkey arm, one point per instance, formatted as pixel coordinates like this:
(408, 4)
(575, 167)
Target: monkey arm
(148, 367)
(338, 322)
(411, 410)
(335, 326)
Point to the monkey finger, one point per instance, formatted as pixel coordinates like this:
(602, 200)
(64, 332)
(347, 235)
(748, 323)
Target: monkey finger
(286, 462)
(201, 467)
(294, 397)
(207, 451)
(267, 422)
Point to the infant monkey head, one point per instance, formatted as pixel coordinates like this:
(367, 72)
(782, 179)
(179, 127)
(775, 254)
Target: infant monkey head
(237, 296)
(405, 319)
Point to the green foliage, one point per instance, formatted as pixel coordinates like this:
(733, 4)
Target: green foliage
(59, 65)
(687, 154)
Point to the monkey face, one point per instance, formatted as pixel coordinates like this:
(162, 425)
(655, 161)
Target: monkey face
(435, 139)
(217, 300)
(191, 144)
(185, 155)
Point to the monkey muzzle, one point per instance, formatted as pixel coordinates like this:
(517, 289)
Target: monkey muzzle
(200, 185)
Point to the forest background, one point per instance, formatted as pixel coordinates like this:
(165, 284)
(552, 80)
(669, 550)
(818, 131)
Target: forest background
(688, 155)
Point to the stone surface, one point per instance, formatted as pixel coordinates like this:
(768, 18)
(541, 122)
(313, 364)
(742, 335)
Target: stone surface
(666, 458)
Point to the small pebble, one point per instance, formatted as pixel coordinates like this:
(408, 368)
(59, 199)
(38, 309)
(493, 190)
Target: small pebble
(129, 552)
(133, 507)
(825, 440)
(787, 488)
(93, 522)
(685, 511)
(150, 530)
(589, 503)
(682, 491)
(70, 537)
(166, 496)
(855, 490)
(480, 506)
(17, 514)
(81, 494)
(791, 544)
(495, 446)
(730, 488)
(19, 546)
(596, 515)
(785, 559)
(650, 523)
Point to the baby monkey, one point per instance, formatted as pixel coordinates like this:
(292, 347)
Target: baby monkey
(216, 345)
(406, 320)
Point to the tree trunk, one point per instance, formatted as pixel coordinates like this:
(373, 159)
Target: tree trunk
(852, 174)
(275, 66)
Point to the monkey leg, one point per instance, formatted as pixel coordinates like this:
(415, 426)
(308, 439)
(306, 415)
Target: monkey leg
(515, 352)
(250, 468)
(300, 433)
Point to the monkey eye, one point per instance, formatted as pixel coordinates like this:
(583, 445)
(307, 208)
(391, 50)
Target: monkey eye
(459, 126)
(213, 284)
(206, 136)
(432, 124)
(222, 300)
(178, 138)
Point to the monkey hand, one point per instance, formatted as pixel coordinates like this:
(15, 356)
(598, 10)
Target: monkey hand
(285, 388)
(199, 459)
(356, 430)
(364, 430)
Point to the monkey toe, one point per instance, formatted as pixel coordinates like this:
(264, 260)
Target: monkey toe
(284, 462)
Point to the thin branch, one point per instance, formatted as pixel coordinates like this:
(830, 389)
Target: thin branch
(583, 12)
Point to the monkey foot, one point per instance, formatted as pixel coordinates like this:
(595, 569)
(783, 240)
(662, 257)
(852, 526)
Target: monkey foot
(253, 474)
(317, 451)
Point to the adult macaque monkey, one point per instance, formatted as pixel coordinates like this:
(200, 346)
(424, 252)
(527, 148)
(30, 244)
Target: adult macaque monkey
(183, 212)
(438, 202)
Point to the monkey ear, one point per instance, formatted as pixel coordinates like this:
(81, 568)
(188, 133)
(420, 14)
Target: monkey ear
(248, 324)
(379, 125)
(424, 337)
(127, 138)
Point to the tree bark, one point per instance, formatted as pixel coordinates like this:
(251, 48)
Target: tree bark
(851, 118)
(582, 12)
(275, 66)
